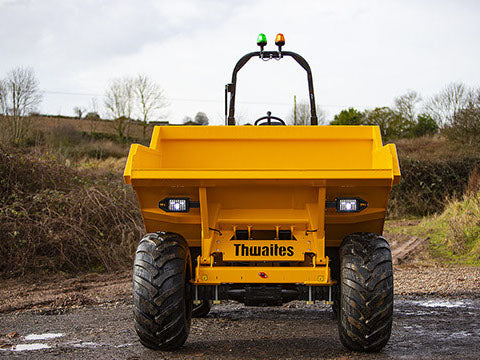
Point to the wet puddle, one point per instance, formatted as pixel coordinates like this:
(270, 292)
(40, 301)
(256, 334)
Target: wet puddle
(91, 344)
(30, 347)
(35, 346)
(86, 344)
(46, 336)
(439, 303)
(433, 306)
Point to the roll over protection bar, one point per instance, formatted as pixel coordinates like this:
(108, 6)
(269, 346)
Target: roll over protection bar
(231, 88)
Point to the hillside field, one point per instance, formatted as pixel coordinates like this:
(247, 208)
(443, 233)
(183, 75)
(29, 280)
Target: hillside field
(65, 208)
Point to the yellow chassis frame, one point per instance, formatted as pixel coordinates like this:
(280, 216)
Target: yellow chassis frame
(307, 275)
(309, 238)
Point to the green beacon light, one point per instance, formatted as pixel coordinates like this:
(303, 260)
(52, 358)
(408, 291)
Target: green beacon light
(261, 41)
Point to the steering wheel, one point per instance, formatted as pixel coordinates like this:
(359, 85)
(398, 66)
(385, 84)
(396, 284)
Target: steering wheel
(269, 117)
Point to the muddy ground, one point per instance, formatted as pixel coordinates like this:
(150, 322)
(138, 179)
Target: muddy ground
(423, 328)
(437, 316)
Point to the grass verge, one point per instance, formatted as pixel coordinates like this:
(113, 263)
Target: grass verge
(454, 235)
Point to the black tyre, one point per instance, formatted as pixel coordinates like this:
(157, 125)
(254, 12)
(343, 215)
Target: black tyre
(162, 291)
(202, 309)
(366, 292)
(334, 257)
(336, 301)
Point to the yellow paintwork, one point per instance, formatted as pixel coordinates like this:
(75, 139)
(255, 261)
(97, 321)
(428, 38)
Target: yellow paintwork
(216, 275)
(263, 178)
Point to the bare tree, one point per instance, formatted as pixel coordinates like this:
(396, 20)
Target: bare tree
(78, 111)
(446, 104)
(3, 98)
(241, 118)
(406, 105)
(92, 115)
(149, 100)
(464, 129)
(119, 98)
(3, 110)
(19, 95)
(301, 114)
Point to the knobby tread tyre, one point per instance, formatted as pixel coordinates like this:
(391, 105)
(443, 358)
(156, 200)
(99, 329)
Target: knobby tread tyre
(162, 302)
(366, 292)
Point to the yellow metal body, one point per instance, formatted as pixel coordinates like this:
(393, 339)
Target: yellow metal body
(263, 179)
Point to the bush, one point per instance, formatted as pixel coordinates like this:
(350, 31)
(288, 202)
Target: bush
(65, 135)
(427, 185)
(93, 116)
(392, 124)
(57, 219)
(348, 117)
(98, 149)
(455, 234)
(111, 137)
(464, 129)
(425, 126)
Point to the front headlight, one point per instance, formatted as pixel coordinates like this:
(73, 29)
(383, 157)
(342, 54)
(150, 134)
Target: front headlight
(177, 204)
(347, 205)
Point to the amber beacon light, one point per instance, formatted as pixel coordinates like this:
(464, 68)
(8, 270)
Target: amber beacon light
(280, 41)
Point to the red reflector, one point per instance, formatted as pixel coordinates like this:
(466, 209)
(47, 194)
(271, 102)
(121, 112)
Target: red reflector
(262, 275)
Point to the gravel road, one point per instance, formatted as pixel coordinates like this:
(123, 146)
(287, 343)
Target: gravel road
(427, 328)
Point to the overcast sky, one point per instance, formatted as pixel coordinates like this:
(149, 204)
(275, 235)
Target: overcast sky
(362, 53)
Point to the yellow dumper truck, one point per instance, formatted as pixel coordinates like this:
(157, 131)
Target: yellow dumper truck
(263, 215)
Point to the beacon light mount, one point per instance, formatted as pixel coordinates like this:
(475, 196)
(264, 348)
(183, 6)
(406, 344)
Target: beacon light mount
(279, 41)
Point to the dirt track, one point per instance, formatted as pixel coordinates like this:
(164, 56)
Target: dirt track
(437, 315)
(56, 293)
(428, 329)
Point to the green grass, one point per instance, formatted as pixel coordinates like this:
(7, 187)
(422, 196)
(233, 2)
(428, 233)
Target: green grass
(454, 235)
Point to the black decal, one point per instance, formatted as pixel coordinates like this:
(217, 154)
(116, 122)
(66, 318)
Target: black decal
(282, 251)
(290, 251)
(244, 250)
(255, 250)
(276, 250)
(265, 251)
(237, 249)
